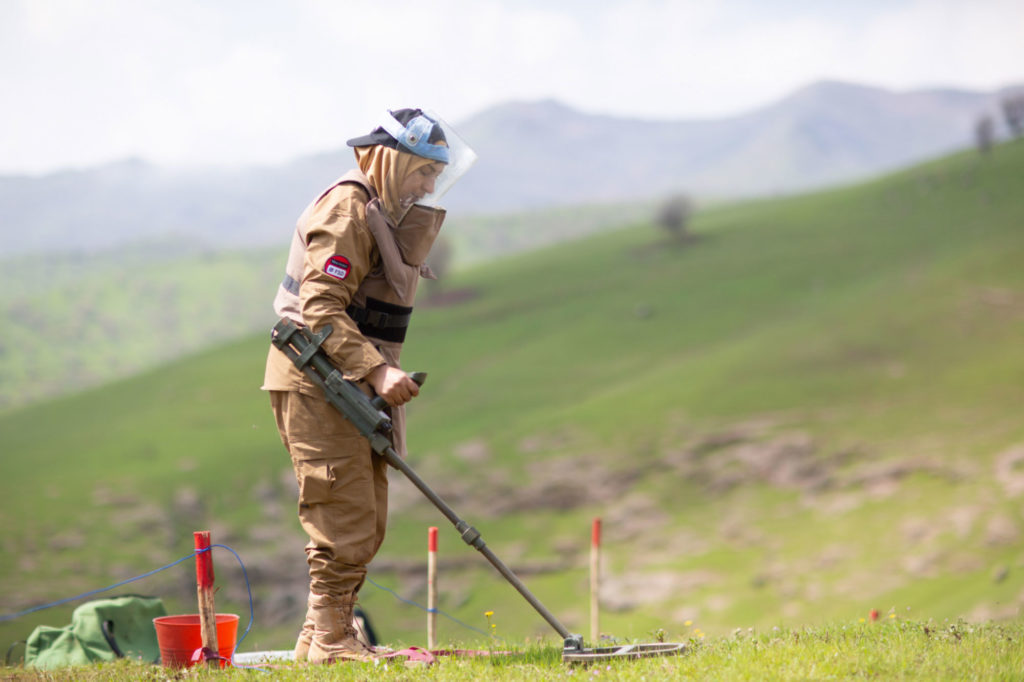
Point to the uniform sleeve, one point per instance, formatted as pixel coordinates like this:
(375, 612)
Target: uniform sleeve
(339, 254)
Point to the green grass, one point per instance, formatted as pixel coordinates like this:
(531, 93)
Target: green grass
(888, 650)
(79, 320)
(481, 238)
(881, 323)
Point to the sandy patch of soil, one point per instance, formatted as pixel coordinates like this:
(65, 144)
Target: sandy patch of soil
(1009, 470)
(626, 591)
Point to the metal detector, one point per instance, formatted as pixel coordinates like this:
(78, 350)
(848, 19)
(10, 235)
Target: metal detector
(303, 348)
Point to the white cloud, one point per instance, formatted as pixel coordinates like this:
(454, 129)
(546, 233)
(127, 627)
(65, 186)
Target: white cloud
(938, 42)
(237, 82)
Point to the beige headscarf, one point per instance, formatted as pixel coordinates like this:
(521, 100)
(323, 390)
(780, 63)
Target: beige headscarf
(387, 169)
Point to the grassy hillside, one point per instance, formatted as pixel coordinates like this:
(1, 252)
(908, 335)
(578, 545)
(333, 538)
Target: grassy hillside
(82, 319)
(811, 411)
(75, 320)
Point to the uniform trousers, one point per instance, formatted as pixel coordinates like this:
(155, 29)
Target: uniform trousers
(343, 491)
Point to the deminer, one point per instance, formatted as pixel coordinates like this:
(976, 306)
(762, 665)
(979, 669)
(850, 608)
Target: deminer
(356, 256)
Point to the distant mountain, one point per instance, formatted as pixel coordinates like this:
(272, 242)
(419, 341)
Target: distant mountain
(823, 134)
(132, 201)
(532, 154)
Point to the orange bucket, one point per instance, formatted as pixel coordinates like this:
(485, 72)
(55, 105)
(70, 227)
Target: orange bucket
(179, 637)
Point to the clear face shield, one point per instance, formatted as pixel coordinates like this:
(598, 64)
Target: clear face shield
(430, 137)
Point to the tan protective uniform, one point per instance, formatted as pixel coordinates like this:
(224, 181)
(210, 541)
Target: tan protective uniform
(346, 258)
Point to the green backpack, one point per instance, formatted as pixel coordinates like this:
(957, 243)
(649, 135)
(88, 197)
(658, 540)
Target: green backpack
(100, 630)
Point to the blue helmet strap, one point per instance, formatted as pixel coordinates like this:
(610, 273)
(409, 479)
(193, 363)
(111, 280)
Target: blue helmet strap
(414, 136)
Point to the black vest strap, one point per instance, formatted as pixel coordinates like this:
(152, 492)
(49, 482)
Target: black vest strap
(381, 320)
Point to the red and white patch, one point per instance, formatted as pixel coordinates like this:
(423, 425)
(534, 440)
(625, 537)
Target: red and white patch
(338, 267)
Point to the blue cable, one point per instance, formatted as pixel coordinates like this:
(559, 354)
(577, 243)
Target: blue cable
(248, 588)
(429, 610)
(12, 616)
(252, 616)
(245, 574)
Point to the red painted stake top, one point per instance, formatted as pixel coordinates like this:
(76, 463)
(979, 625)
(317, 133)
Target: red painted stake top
(595, 533)
(204, 561)
(432, 539)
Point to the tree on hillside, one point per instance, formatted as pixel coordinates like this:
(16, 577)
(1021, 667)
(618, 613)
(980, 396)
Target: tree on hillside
(674, 217)
(1013, 112)
(984, 133)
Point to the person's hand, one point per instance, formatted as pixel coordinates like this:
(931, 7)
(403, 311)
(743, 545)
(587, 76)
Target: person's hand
(392, 384)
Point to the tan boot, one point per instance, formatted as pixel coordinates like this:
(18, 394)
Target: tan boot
(334, 638)
(305, 637)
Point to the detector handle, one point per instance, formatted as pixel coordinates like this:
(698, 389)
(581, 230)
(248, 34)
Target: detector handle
(418, 377)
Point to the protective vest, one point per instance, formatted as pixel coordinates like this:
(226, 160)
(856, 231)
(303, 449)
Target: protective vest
(382, 304)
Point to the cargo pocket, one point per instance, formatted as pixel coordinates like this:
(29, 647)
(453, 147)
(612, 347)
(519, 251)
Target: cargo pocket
(315, 478)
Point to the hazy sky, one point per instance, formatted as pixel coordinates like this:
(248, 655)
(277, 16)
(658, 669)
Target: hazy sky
(232, 82)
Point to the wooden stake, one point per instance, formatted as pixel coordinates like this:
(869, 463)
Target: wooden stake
(432, 588)
(595, 581)
(204, 590)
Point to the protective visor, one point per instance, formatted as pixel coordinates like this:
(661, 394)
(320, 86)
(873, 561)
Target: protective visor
(447, 148)
(415, 136)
